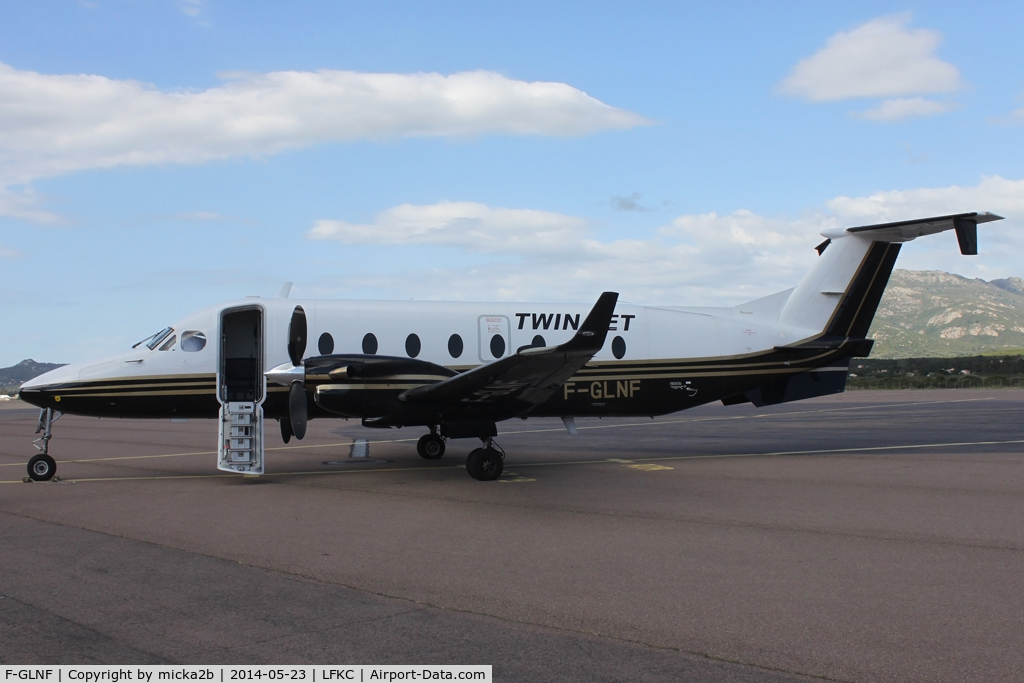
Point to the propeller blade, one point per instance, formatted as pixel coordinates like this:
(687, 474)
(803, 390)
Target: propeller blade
(297, 336)
(297, 410)
(286, 430)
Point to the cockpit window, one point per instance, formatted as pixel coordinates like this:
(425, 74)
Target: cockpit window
(192, 340)
(169, 344)
(153, 341)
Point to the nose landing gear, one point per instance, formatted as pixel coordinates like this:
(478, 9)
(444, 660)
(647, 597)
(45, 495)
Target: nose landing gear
(41, 467)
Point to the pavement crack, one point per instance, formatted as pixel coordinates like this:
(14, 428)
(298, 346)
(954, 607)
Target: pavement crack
(326, 629)
(90, 629)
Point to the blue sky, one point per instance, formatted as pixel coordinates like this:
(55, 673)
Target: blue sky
(160, 156)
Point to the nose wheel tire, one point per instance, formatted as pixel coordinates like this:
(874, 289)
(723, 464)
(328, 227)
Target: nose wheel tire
(42, 467)
(430, 447)
(484, 464)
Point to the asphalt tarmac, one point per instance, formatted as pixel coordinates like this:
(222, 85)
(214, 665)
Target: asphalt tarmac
(870, 536)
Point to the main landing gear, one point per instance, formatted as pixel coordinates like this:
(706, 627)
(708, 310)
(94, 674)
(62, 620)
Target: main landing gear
(483, 464)
(41, 467)
(486, 464)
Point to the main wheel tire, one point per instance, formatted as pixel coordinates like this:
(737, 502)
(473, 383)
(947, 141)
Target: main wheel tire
(484, 464)
(42, 467)
(430, 447)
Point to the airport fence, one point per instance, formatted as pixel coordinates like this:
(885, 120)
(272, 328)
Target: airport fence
(913, 383)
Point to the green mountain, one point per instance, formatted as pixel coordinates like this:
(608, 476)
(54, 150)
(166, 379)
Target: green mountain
(13, 377)
(931, 314)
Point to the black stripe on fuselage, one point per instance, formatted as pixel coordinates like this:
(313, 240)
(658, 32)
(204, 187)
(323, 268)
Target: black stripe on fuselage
(853, 316)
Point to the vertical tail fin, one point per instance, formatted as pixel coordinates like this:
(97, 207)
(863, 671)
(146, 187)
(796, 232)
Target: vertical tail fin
(840, 294)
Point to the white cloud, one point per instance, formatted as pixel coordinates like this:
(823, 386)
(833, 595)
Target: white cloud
(902, 108)
(192, 8)
(53, 124)
(468, 225)
(882, 58)
(9, 253)
(559, 258)
(993, 193)
(201, 216)
(699, 259)
(25, 205)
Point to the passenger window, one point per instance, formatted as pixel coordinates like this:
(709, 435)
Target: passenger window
(193, 340)
(618, 347)
(370, 344)
(325, 344)
(455, 346)
(497, 346)
(412, 345)
(169, 344)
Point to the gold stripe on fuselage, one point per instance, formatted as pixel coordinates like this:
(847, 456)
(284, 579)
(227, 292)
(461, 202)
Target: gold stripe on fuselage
(389, 378)
(329, 388)
(130, 388)
(133, 394)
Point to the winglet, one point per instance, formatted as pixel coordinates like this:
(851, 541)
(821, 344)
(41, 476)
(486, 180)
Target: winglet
(594, 329)
(285, 290)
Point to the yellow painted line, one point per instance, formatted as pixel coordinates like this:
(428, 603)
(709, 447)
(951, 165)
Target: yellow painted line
(605, 461)
(514, 478)
(649, 467)
(822, 451)
(759, 416)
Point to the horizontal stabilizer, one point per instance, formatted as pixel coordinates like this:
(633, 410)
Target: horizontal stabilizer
(965, 225)
(839, 295)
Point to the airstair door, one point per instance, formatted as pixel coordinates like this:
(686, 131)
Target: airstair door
(495, 339)
(241, 390)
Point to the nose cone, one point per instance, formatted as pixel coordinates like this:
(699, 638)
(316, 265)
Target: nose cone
(44, 390)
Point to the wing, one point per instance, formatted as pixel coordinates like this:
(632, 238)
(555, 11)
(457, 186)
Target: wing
(526, 378)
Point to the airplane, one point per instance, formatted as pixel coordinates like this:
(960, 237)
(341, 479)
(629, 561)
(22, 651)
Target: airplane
(459, 368)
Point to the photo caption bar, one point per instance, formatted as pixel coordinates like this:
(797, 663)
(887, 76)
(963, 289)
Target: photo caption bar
(340, 673)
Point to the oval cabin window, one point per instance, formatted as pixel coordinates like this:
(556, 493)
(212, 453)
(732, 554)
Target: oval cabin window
(497, 346)
(370, 344)
(455, 346)
(618, 347)
(325, 344)
(412, 345)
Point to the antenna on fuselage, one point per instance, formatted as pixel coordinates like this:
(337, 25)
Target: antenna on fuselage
(285, 290)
